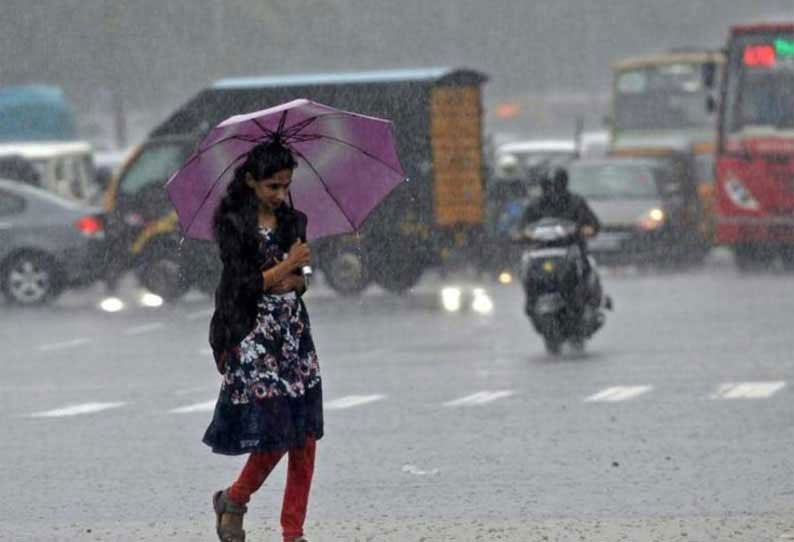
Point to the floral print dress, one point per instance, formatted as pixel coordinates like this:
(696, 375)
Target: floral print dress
(271, 394)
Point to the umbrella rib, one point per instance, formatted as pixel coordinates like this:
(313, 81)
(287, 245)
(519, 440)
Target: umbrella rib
(295, 129)
(281, 122)
(303, 138)
(322, 116)
(237, 137)
(212, 189)
(267, 131)
(325, 186)
(359, 149)
(291, 132)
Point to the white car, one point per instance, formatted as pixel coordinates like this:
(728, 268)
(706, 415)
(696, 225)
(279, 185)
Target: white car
(517, 158)
(64, 168)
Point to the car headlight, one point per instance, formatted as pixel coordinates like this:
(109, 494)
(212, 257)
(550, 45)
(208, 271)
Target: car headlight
(740, 195)
(451, 298)
(652, 219)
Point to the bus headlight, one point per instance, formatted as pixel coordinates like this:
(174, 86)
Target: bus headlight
(740, 195)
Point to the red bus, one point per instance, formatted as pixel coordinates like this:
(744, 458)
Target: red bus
(755, 153)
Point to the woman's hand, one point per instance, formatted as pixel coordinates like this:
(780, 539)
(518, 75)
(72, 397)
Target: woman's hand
(291, 283)
(299, 255)
(280, 277)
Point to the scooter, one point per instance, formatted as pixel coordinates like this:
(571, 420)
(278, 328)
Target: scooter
(563, 301)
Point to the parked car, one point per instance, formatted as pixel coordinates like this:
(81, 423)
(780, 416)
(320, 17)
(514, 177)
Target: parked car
(47, 243)
(522, 157)
(641, 206)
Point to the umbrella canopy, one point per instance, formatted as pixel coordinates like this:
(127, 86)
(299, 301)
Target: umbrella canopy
(347, 165)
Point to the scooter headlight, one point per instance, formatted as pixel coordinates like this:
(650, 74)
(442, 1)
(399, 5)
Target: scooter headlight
(652, 220)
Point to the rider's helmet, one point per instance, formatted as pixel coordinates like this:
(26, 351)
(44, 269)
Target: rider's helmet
(555, 181)
(507, 166)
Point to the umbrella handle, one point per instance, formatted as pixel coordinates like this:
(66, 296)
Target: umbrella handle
(300, 227)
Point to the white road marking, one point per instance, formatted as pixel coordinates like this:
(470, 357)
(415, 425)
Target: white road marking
(619, 393)
(748, 390)
(479, 398)
(352, 400)
(74, 410)
(413, 469)
(207, 406)
(200, 315)
(63, 345)
(145, 328)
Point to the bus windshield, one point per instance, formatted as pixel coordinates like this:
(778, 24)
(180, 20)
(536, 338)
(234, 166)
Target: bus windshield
(663, 97)
(760, 84)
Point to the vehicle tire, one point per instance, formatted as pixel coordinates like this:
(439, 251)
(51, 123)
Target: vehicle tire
(201, 264)
(752, 258)
(398, 279)
(345, 271)
(207, 282)
(553, 346)
(577, 345)
(787, 258)
(689, 256)
(31, 278)
(164, 277)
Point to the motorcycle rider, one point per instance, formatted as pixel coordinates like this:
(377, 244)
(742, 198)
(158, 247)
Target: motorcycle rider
(558, 202)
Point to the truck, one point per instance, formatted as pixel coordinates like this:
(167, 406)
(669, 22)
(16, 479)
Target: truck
(660, 108)
(436, 218)
(755, 150)
(35, 113)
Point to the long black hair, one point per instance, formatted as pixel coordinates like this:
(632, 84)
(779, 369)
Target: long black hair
(237, 212)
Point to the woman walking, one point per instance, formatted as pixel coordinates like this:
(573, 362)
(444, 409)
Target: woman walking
(270, 402)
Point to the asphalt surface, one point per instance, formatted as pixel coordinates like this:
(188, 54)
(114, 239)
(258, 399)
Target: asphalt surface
(675, 424)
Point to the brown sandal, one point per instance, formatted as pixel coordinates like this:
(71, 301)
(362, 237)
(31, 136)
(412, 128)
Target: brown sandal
(230, 530)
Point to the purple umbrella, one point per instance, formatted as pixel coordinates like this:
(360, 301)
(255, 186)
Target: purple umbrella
(347, 165)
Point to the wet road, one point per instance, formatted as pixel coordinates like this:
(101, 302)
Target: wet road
(675, 425)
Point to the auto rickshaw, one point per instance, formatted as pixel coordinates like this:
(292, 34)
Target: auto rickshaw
(143, 226)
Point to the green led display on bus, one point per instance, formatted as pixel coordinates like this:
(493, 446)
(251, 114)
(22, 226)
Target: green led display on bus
(784, 47)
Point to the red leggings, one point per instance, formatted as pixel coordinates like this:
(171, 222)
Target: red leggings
(299, 480)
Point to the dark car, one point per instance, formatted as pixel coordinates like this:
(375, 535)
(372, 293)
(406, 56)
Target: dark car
(47, 243)
(643, 210)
